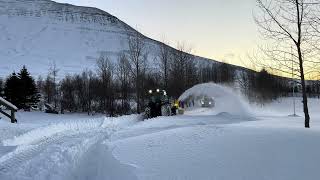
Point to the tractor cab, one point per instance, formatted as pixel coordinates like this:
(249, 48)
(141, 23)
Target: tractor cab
(158, 104)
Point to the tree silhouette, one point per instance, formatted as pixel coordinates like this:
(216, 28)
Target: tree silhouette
(29, 93)
(12, 91)
(21, 89)
(1, 87)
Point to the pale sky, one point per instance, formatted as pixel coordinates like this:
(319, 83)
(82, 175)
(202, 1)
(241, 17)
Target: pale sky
(218, 29)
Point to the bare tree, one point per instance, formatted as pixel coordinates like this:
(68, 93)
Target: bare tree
(68, 94)
(285, 26)
(49, 89)
(315, 23)
(191, 71)
(137, 56)
(163, 60)
(105, 72)
(53, 72)
(89, 81)
(82, 87)
(123, 77)
(226, 73)
(180, 66)
(245, 81)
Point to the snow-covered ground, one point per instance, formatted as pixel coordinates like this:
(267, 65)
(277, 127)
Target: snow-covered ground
(268, 145)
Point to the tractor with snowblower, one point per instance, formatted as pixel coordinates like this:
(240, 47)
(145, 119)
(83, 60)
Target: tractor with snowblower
(159, 104)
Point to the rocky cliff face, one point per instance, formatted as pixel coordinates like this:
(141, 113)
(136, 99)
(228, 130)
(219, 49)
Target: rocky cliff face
(56, 11)
(38, 33)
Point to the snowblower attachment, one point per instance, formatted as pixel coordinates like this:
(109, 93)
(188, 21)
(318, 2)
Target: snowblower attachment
(207, 102)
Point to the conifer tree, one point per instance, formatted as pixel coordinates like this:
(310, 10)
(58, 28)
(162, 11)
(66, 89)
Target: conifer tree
(12, 90)
(1, 87)
(29, 93)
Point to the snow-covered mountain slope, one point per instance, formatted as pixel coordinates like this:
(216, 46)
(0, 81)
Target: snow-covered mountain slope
(37, 33)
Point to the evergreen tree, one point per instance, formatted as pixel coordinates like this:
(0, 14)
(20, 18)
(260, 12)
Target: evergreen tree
(12, 91)
(1, 87)
(29, 92)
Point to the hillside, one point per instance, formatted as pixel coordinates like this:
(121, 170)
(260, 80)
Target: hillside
(38, 33)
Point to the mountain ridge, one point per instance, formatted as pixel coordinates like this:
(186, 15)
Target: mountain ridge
(40, 32)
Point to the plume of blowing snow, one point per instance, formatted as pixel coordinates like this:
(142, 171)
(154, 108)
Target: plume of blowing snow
(226, 100)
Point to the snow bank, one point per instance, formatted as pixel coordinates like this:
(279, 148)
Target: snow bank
(226, 101)
(48, 131)
(42, 133)
(121, 122)
(99, 163)
(284, 107)
(227, 152)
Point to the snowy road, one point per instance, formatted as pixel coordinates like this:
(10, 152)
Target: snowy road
(83, 149)
(222, 146)
(63, 151)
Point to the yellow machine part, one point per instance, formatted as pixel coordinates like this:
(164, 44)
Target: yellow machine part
(176, 103)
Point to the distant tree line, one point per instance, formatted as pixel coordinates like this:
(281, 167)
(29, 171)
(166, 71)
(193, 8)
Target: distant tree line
(263, 87)
(121, 87)
(313, 89)
(117, 88)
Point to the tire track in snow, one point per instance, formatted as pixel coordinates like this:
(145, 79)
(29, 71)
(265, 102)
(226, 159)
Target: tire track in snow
(99, 163)
(40, 134)
(57, 140)
(24, 153)
(34, 142)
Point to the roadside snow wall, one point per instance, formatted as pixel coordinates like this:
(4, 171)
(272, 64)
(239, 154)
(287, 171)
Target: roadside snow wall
(226, 101)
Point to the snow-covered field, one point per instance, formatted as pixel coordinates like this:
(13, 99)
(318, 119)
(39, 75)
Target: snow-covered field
(265, 145)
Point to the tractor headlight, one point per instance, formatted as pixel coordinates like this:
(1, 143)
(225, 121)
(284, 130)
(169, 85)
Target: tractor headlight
(158, 90)
(164, 93)
(210, 103)
(150, 91)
